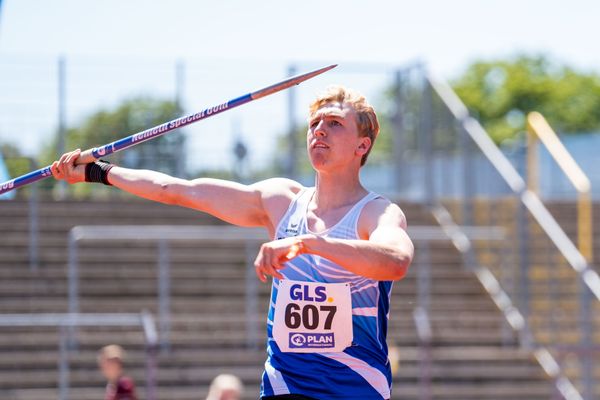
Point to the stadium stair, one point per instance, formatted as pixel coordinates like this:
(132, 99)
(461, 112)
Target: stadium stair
(474, 355)
(555, 289)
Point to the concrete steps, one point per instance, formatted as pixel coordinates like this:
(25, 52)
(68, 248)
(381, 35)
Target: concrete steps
(474, 355)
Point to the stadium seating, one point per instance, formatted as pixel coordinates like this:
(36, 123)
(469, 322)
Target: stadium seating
(474, 355)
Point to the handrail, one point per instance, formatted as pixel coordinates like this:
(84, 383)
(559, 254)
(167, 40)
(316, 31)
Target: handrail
(504, 303)
(251, 237)
(424, 335)
(512, 178)
(538, 128)
(70, 320)
(160, 234)
(531, 201)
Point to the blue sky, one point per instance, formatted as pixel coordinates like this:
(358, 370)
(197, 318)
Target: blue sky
(118, 49)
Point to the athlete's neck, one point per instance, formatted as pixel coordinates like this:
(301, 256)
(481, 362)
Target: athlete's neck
(337, 190)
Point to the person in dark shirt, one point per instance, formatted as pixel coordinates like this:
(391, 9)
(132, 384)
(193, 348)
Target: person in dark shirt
(119, 386)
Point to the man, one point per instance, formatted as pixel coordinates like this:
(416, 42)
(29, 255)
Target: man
(335, 251)
(119, 386)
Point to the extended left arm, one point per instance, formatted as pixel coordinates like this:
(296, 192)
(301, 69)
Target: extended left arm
(384, 257)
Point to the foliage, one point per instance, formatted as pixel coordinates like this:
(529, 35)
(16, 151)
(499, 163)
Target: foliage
(134, 115)
(16, 163)
(106, 126)
(500, 93)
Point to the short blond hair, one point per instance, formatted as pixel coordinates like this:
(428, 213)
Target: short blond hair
(111, 352)
(366, 119)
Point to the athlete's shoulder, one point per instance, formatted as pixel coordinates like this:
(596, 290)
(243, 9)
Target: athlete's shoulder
(278, 187)
(380, 211)
(276, 196)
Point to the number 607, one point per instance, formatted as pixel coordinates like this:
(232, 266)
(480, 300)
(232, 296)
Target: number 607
(308, 316)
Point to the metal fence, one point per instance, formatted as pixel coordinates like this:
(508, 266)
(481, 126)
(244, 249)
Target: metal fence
(547, 280)
(163, 235)
(250, 239)
(41, 97)
(65, 323)
(440, 155)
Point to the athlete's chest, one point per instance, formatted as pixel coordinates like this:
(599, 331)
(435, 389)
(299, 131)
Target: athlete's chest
(318, 221)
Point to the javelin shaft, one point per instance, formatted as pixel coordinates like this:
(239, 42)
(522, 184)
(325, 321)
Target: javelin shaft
(95, 153)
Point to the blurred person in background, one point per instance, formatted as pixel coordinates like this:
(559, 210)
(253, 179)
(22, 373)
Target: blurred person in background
(119, 386)
(225, 387)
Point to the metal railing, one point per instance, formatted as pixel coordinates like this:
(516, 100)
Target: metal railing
(163, 234)
(529, 199)
(250, 238)
(539, 129)
(472, 137)
(66, 321)
(504, 303)
(424, 336)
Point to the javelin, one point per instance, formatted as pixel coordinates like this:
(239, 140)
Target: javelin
(95, 153)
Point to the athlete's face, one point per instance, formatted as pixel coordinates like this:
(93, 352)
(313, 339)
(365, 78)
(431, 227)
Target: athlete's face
(333, 140)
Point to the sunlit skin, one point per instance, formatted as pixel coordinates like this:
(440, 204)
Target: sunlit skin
(383, 250)
(333, 139)
(111, 368)
(229, 394)
(380, 250)
(335, 150)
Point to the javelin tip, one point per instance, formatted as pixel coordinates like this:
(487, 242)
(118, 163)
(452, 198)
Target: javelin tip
(321, 70)
(308, 75)
(290, 82)
(182, 121)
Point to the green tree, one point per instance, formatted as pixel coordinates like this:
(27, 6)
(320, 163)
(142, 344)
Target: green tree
(500, 93)
(15, 162)
(165, 153)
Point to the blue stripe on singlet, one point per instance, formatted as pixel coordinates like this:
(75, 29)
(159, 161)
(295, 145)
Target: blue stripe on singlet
(361, 371)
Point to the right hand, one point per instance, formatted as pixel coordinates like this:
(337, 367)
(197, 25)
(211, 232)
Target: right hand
(273, 255)
(65, 168)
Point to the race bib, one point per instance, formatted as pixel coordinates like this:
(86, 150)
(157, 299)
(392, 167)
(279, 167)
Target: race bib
(313, 317)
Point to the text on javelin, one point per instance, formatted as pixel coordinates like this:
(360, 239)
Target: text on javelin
(8, 185)
(178, 122)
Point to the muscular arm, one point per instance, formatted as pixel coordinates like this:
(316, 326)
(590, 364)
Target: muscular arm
(245, 205)
(230, 201)
(384, 257)
(385, 254)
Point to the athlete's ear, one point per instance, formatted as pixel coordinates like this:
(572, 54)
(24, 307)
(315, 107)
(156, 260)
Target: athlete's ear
(364, 146)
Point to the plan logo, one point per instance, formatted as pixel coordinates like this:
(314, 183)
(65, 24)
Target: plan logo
(297, 340)
(311, 340)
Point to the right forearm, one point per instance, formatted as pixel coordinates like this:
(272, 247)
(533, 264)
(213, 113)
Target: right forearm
(232, 202)
(148, 184)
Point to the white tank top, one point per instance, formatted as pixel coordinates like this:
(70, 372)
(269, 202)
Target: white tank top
(367, 356)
